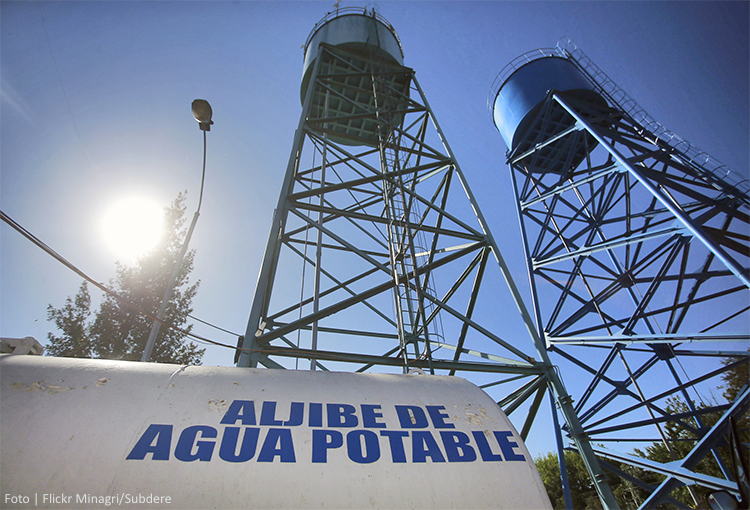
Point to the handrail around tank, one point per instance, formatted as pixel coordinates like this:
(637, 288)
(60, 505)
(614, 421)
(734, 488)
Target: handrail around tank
(681, 148)
(348, 11)
(606, 87)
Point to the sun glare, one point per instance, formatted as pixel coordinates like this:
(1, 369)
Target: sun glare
(131, 227)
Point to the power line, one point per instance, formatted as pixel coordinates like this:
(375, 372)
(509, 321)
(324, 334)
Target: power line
(41, 244)
(213, 325)
(46, 248)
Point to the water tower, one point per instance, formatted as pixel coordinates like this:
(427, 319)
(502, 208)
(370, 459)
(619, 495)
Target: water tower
(379, 257)
(638, 250)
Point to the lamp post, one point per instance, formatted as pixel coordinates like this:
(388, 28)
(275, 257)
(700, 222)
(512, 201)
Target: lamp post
(202, 113)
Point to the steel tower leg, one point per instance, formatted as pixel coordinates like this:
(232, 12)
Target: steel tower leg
(251, 354)
(561, 456)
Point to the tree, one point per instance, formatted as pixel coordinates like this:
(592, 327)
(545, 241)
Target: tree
(681, 441)
(72, 320)
(582, 491)
(120, 332)
(735, 379)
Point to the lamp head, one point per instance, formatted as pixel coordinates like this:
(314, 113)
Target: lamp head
(202, 113)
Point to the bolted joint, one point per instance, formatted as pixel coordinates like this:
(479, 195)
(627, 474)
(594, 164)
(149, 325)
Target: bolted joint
(564, 400)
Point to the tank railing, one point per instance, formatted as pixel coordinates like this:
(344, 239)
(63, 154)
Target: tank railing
(681, 148)
(515, 64)
(347, 11)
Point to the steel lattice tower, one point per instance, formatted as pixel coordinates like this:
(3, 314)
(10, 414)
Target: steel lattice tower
(377, 222)
(373, 209)
(638, 249)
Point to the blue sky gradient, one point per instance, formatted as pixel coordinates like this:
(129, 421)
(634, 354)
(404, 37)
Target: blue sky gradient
(96, 105)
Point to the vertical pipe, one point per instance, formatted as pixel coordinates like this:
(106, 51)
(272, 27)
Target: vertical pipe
(319, 251)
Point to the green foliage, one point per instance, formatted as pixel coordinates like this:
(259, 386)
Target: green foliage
(582, 491)
(681, 441)
(120, 332)
(735, 379)
(71, 319)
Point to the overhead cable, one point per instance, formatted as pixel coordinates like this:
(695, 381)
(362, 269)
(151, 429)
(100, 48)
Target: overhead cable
(41, 244)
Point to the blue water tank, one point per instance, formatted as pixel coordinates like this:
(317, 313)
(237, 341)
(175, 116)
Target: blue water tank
(521, 95)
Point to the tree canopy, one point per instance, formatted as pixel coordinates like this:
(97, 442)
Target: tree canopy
(118, 331)
(72, 320)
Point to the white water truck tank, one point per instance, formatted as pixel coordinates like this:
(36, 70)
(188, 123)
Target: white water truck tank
(80, 433)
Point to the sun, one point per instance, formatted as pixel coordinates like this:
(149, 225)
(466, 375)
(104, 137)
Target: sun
(131, 227)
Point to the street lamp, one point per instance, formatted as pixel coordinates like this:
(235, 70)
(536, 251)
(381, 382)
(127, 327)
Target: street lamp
(202, 113)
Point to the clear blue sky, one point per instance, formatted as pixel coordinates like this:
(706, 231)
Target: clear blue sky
(96, 105)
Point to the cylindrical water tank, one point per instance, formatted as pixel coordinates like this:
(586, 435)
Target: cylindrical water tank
(81, 433)
(358, 110)
(354, 30)
(521, 95)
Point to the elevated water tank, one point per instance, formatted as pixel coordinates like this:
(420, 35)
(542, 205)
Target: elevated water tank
(521, 90)
(369, 45)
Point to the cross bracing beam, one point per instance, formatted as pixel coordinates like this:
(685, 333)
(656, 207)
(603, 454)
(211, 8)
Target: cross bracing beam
(640, 483)
(463, 366)
(361, 297)
(680, 473)
(484, 355)
(671, 417)
(610, 244)
(649, 339)
(684, 476)
(666, 393)
(512, 401)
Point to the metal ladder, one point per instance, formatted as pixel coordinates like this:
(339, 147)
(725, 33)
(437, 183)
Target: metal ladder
(412, 308)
